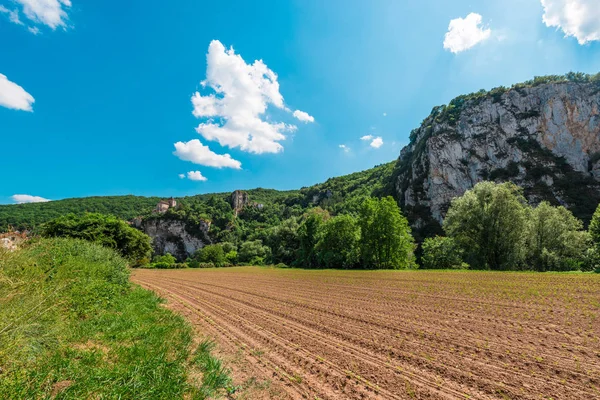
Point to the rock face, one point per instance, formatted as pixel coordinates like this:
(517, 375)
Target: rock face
(545, 138)
(239, 199)
(171, 236)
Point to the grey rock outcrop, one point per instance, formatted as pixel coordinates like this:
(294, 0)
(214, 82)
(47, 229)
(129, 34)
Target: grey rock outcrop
(239, 199)
(545, 138)
(171, 236)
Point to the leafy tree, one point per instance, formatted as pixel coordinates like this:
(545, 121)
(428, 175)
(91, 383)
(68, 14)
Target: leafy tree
(594, 227)
(167, 259)
(386, 240)
(489, 222)
(442, 253)
(253, 252)
(555, 239)
(283, 241)
(106, 230)
(308, 236)
(212, 253)
(338, 245)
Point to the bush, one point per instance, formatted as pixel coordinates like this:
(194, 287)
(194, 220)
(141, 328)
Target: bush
(253, 252)
(167, 258)
(213, 253)
(105, 230)
(281, 265)
(442, 253)
(166, 265)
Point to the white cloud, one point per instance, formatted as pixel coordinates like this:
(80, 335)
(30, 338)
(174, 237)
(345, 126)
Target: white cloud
(13, 16)
(27, 198)
(198, 153)
(367, 137)
(464, 33)
(578, 18)
(235, 113)
(47, 12)
(303, 116)
(14, 96)
(34, 29)
(376, 142)
(196, 176)
(181, 176)
(345, 148)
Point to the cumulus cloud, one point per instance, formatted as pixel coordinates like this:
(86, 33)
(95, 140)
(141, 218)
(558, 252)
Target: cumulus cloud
(196, 152)
(303, 116)
(196, 176)
(464, 33)
(14, 96)
(577, 18)
(181, 176)
(27, 198)
(376, 142)
(345, 148)
(235, 113)
(367, 137)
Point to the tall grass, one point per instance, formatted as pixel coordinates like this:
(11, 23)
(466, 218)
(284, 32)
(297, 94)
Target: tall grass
(72, 327)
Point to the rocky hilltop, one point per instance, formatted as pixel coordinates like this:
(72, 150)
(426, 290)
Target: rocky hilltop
(544, 135)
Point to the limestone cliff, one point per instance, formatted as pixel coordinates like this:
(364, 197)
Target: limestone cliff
(172, 236)
(545, 137)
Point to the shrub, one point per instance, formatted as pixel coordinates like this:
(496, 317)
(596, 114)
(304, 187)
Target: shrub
(105, 230)
(442, 253)
(281, 265)
(253, 252)
(213, 253)
(167, 258)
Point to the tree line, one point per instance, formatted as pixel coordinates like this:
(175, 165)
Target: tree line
(490, 227)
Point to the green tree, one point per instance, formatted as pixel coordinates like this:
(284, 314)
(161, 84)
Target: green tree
(106, 230)
(594, 227)
(308, 236)
(167, 259)
(253, 252)
(213, 253)
(338, 245)
(284, 241)
(489, 222)
(441, 253)
(555, 239)
(386, 240)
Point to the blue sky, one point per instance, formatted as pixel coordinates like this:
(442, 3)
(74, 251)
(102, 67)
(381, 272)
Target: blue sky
(95, 95)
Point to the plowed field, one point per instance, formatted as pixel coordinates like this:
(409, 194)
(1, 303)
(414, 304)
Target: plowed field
(396, 335)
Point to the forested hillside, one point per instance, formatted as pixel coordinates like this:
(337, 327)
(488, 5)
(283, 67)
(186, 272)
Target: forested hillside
(338, 195)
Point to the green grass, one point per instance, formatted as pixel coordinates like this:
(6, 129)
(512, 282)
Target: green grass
(72, 327)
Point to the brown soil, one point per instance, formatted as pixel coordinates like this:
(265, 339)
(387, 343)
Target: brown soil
(395, 335)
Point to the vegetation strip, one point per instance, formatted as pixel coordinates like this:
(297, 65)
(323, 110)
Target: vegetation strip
(72, 326)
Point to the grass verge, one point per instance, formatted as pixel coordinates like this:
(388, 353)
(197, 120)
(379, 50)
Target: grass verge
(72, 327)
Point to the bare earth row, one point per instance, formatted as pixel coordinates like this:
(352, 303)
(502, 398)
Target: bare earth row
(397, 334)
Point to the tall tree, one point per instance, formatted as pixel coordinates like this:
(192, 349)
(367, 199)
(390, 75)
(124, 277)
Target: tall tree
(338, 243)
(386, 240)
(489, 222)
(555, 239)
(308, 236)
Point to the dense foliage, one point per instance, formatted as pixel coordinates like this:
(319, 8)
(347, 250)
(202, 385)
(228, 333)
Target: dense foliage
(496, 229)
(31, 216)
(442, 253)
(105, 230)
